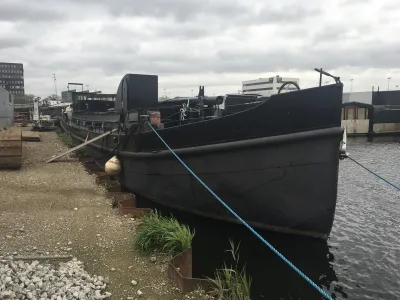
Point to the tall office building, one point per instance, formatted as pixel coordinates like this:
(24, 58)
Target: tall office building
(12, 78)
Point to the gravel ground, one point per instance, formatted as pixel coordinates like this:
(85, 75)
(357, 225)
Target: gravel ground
(20, 280)
(57, 209)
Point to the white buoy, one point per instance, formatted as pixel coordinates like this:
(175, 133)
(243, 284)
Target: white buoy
(113, 166)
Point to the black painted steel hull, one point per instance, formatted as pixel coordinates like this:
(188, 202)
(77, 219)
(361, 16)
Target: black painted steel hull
(286, 183)
(276, 165)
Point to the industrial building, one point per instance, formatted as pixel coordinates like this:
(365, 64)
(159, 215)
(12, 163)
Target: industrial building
(12, 78)
(372, 112)
(266, 86)
(6, 109)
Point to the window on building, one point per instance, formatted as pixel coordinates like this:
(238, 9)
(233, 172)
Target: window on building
(254, 90)
(266, 81)
(255, 83)
(351, 113)
(361, 113)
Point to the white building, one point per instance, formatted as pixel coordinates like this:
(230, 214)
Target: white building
(267, 86)
(6, 109)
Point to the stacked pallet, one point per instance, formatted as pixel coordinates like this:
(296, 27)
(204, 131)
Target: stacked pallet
(10, 149)
(30, 136)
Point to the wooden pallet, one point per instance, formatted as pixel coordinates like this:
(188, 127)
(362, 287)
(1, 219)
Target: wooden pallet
(10, 149)
(30, 136)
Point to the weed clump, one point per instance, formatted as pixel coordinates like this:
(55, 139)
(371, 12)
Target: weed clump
(230, 283)
(162, 234)
(67, 139)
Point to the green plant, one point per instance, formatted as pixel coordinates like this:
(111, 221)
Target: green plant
(66, 139)
(70, 143)
(166, 235)
(230, 283)
(80, 152)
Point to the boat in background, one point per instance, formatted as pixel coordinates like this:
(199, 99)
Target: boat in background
(274, 160)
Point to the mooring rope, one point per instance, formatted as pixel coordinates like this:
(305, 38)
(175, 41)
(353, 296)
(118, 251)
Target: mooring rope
(372, 172)
(312, 283)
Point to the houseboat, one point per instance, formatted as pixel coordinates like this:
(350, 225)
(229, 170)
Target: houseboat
(274, 161)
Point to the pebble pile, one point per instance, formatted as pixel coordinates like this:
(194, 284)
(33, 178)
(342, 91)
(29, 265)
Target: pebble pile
(40, 281)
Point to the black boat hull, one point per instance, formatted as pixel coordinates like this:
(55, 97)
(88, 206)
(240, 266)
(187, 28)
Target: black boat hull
(275, 164)
(286, 183)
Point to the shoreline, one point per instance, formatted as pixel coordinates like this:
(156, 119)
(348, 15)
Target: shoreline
(58, 209)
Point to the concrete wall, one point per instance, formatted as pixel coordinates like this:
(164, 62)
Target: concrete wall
(356, 126)
(362, 97)
(6, 109)
(387, 127)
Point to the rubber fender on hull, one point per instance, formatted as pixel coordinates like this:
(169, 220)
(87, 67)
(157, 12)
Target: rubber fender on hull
(113, 166)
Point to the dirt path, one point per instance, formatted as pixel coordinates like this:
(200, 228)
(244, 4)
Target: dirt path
(58, 209)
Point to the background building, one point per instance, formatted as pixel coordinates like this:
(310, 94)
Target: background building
(6, 109)
(66, 96)
(12, 78)
(371, 112)
(266, 86)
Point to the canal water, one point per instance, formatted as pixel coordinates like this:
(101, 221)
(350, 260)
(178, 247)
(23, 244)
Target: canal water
(360, 260)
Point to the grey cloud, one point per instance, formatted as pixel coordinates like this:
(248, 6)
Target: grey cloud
(390, 6)
(180, 10)
(35, 11)
(225, 12)
(182, 61)
(11, 42)
(354, 2)
(329, 33)
(48, 49)
(339, 32)
(114, 34)
(284, 14)
(187, 32)
(107, 39)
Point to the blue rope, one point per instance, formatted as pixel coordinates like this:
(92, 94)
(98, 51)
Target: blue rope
(380, 177)
(323, 293)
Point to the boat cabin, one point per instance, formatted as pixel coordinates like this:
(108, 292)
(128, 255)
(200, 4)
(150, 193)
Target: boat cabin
(95, 111)
(356, 118)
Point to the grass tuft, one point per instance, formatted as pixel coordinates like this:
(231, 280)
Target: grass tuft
(230, 283)
(67, 139)
(162, 234)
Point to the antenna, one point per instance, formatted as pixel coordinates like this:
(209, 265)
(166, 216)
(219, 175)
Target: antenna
(55, 83)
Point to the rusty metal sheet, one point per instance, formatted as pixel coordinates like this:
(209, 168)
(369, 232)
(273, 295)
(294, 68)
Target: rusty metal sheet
(180, 271)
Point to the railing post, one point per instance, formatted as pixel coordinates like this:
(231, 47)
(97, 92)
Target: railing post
(320, 77)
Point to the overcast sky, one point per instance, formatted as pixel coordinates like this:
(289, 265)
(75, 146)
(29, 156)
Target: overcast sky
(187, 43)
